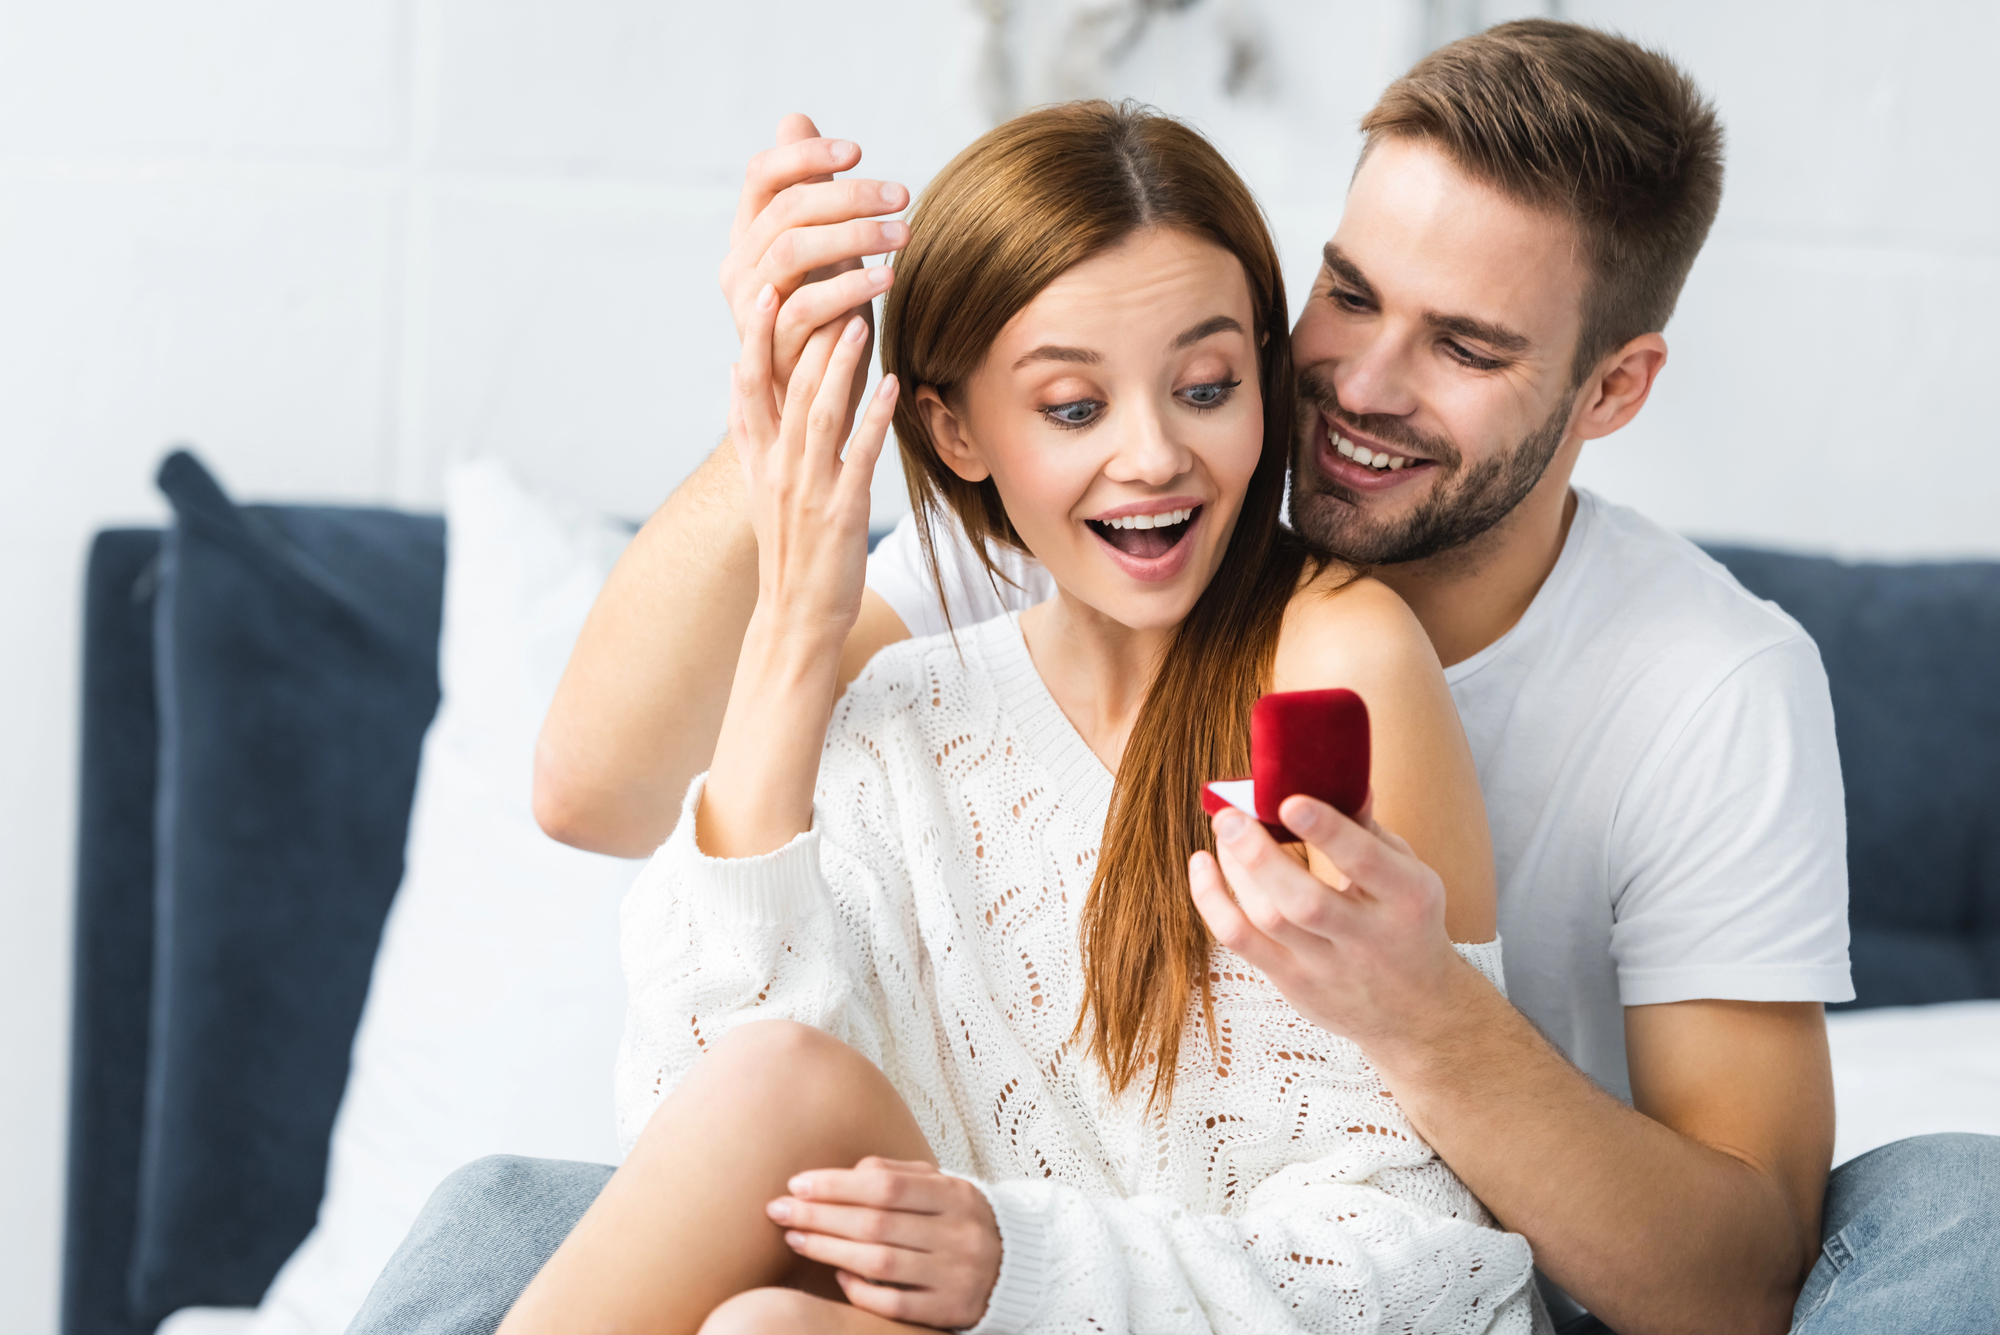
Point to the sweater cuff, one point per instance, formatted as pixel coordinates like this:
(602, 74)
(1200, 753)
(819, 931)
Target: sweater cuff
(1017, 1291)
(767, 890)
(1485, 957)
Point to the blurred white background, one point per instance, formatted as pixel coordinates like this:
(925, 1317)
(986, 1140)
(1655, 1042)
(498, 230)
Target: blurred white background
(338, 244)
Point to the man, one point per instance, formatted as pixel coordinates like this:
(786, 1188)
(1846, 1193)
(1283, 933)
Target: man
(1656, 747)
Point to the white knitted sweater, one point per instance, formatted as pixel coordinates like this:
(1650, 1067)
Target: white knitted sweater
(929, 920)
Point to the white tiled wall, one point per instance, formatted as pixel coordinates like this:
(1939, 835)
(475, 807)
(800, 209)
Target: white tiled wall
(1833, 377)
(337, 245)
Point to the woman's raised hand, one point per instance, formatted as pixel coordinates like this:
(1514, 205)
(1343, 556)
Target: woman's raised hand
(805, 233)
(808, 503)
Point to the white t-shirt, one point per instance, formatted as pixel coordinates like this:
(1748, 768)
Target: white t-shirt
(1656, 749)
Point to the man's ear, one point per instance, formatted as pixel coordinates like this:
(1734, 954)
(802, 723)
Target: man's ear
(1619, 387)
(948, 436)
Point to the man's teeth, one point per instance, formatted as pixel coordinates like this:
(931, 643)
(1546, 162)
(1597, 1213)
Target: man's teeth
(1166, 520)
(1361, 454)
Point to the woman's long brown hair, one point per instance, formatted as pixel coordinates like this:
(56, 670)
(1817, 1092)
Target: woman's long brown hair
(1019, 207)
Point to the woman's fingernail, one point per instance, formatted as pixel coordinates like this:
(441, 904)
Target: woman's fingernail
(892, 193)
(886, 391)
(855, 329)
(840, 149)
(1229, 823)
(798, 1187)
(895, 233)
(1303, 817)
(795, 1239)
(879, 275)
(780, 1210)
(767, 297)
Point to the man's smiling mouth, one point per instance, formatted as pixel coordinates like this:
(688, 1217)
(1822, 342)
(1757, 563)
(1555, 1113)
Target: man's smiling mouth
(1362, 462)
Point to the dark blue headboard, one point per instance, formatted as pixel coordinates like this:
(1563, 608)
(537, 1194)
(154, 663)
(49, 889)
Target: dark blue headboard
(1912, 653)
(257, 682)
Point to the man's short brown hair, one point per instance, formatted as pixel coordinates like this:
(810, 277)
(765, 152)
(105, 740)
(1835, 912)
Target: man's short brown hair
(1587, 125)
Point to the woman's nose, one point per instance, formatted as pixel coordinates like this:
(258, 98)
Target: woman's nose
(1148, 454)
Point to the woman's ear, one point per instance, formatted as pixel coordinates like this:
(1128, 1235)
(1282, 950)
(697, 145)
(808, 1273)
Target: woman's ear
(948, 436)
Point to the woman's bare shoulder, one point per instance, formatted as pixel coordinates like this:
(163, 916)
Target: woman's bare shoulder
(1346, 630)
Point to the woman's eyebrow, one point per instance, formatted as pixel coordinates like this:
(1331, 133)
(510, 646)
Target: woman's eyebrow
(1050, 352)
(1214, 324)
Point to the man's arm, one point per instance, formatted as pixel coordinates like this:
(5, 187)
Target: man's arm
(1695, 1209)
(639, 707)
(640, 704)
(1698, 1210)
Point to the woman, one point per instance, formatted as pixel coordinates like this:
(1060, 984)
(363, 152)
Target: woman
(944, 920)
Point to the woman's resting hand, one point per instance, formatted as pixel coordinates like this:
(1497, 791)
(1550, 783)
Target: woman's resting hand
(808, 505)
(907, 1242)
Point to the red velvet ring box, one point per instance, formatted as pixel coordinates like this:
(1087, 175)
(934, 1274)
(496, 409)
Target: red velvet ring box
(1311, 742)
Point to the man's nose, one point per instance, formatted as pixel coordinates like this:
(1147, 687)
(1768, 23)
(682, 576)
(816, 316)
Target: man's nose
(1377, 377)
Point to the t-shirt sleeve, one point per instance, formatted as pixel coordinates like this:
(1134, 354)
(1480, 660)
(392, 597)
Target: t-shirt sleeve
(898, 573)
(1730, 847)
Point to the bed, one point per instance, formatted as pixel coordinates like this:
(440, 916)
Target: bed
(258, 684)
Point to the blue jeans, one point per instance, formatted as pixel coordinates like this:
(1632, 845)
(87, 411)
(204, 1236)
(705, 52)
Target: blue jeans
(1912, 1243)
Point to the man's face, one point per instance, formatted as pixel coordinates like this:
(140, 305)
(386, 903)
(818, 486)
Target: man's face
(1434, 360)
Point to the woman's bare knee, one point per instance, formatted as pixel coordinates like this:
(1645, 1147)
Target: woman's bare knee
(813, 1074)
(781, 1081)
(781, 1049)
(766, 1312)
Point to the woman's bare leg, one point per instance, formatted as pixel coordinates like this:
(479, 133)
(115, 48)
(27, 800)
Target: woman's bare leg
(681, 1228)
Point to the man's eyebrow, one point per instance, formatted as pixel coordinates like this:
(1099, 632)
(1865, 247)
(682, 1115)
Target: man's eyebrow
(1347, 270)
(1496, 336)
(1050, 352)
(1214, 324)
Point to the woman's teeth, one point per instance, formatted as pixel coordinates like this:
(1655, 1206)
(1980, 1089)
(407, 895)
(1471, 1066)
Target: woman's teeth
(1164, 520)
(1380, 460)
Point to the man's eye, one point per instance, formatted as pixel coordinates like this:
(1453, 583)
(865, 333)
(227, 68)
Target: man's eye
(1348, 301)
(1470, 358)
(1212, 395)
(1078, 413)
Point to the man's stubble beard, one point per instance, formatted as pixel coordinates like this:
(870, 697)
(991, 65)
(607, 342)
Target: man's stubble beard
(1464, 504)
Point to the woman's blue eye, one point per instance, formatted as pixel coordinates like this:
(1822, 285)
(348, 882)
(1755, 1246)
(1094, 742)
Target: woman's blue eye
(1073, 414)
(1210, 395)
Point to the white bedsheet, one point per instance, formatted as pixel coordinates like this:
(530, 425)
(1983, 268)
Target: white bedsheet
(1899, 1071)
(1911, 1070)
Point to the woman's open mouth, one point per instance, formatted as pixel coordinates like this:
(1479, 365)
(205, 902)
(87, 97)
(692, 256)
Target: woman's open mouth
(1150, 546)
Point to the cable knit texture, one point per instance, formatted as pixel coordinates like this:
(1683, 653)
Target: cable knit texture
(929, 920)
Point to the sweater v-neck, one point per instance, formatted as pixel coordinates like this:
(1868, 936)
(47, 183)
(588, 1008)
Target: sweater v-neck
(1075, 770)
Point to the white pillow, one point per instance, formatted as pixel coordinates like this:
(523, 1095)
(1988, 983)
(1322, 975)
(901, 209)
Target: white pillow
(493, 1016)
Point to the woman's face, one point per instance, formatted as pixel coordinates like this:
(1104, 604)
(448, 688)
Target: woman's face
(1119, 415)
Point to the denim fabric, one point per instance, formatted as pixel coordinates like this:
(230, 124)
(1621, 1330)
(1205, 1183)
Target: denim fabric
(1912, 1239)
(486, 1231)
(1912, 1242)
